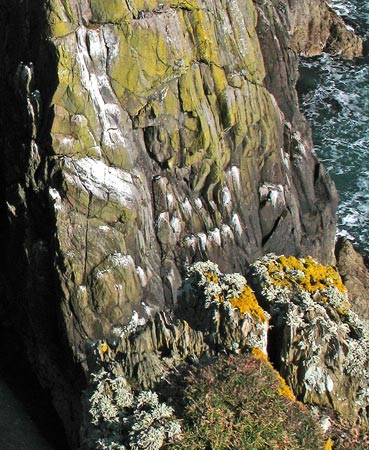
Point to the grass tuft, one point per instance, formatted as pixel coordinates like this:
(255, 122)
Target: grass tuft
(236, 403)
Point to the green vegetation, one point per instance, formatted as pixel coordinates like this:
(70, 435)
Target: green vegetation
(236, 403)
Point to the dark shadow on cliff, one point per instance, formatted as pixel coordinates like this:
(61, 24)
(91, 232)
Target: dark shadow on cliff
(36, 404)
(33, 341)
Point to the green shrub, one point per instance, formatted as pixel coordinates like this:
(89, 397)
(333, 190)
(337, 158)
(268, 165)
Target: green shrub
(236, 403)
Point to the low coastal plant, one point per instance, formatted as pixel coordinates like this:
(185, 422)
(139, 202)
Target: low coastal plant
(240, 402)
(283, 388)
(121, 420)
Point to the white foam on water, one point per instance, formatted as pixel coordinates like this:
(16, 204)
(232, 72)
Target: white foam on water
(342, 8)
(336, 103)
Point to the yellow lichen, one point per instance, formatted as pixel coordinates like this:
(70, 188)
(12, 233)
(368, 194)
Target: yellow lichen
(231, 288)
(308, 275)
(246, 303)
(219, 77)
(328, 444)
(204, 37)
(211, 277)
(112, 11)
(104, 347)
(283, 389)
(185, 4)
(313, 276)
(258, 353)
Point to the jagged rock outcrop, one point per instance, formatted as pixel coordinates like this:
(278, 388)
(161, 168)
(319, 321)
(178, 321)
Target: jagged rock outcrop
(355, 276)
(312, 27)
(315, 27)
(317, 341)
(216, 313)
(137, 137)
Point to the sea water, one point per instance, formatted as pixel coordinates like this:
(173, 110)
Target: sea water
(334, 97)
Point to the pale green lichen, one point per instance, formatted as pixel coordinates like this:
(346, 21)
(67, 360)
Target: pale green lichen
(124, 421)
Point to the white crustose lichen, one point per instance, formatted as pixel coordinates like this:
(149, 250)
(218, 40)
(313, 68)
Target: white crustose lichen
(121, 420)
(312, 302)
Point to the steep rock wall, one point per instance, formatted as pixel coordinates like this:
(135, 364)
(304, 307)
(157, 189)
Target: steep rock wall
(170, 148)
(137, 137)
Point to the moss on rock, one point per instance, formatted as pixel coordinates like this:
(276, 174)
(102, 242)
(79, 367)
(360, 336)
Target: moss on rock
(112, 11)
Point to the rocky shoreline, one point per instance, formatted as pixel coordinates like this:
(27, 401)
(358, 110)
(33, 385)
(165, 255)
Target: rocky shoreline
(137, 138)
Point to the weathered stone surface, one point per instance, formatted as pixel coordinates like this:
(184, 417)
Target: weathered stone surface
(223, 318)
(318, 343)
(138, 137)
(216, 313)
(315, 27)
(355, 276)
(312, 27)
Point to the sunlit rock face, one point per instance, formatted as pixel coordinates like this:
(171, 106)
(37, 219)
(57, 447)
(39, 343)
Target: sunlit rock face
(319, 344)
(138, 137)
(168, 148)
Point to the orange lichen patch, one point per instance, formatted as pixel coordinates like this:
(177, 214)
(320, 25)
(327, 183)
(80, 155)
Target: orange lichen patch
(328, 444)
(258, 353)
(306, 274)
(211, 277)
(283, 389)
(104, 347)
(246, 303)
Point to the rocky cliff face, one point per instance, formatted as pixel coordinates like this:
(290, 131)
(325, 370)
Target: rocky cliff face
(138, 137)
(314, 27)
(307, 328)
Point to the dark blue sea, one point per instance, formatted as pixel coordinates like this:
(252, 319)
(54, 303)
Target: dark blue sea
(334, 96)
